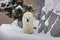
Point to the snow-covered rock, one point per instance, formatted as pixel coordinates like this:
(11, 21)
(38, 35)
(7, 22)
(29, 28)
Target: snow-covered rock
(49, 4)
(57, 9)
(46, 23)
(52, 4)
(19, 7)
(43, 17)
(13, 12)
(5, 1)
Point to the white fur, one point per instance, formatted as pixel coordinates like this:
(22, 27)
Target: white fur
(28, 26)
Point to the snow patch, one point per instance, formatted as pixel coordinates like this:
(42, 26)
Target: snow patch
(19, 7)
(36, 22)
(45, 10)
(46, 23)
(43, 17)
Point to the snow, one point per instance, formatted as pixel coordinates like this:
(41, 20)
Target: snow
(46, 23)
(43, 17)
(57, 9)
(13, 11)
(36, 22)
(13, 32)
(5, 1)
(19, 7)
(58, 14)
(14, 22)
(51, 4)
(45, 9)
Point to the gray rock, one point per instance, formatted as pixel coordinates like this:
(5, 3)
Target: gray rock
(20, 24)
(43, 27)
(48, 14)
(56, 29)
(40, 4)
(51, 21)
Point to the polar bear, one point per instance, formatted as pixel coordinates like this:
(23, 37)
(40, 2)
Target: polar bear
(27, 21)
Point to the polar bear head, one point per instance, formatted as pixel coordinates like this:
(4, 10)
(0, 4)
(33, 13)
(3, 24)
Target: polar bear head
(28, 18)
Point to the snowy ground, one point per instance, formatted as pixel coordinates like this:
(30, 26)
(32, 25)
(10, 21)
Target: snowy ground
(13, 32)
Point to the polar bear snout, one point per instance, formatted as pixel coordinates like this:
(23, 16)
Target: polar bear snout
(27, 20)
